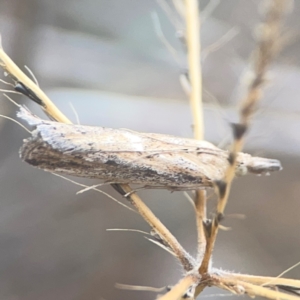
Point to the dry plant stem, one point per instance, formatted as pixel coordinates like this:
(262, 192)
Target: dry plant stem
(194, 47)
(264, 280)
(242, 287)
(181, 287)
(10, 67)
(267, 47)
(185, 259)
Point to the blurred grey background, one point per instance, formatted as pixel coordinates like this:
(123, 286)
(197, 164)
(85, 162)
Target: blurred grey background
(106, 60)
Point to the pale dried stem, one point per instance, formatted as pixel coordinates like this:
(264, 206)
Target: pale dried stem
(193, 46)
(264, 280)
(185, 259)
(267, 47)
(192, 18)
(18, 76)
(242, 287)
(11, 68)
(181, 287)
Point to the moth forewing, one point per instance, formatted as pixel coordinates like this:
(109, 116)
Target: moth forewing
(125, 156)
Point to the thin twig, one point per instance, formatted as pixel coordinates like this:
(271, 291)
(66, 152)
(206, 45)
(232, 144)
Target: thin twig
(13, 70)
(185, 259)
(242, 287)
(195, 75)
(264, 280)
(193, 45)
(267, 47)
(181, 287)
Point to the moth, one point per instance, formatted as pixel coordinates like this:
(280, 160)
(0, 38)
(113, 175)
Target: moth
(124, 156)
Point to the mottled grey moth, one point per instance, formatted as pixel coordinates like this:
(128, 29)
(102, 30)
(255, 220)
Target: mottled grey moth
(124, 156)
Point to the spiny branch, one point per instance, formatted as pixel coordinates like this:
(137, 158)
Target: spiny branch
(267, 47)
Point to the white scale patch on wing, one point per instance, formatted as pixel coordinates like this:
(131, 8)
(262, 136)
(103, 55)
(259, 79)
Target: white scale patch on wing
(135, 141)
